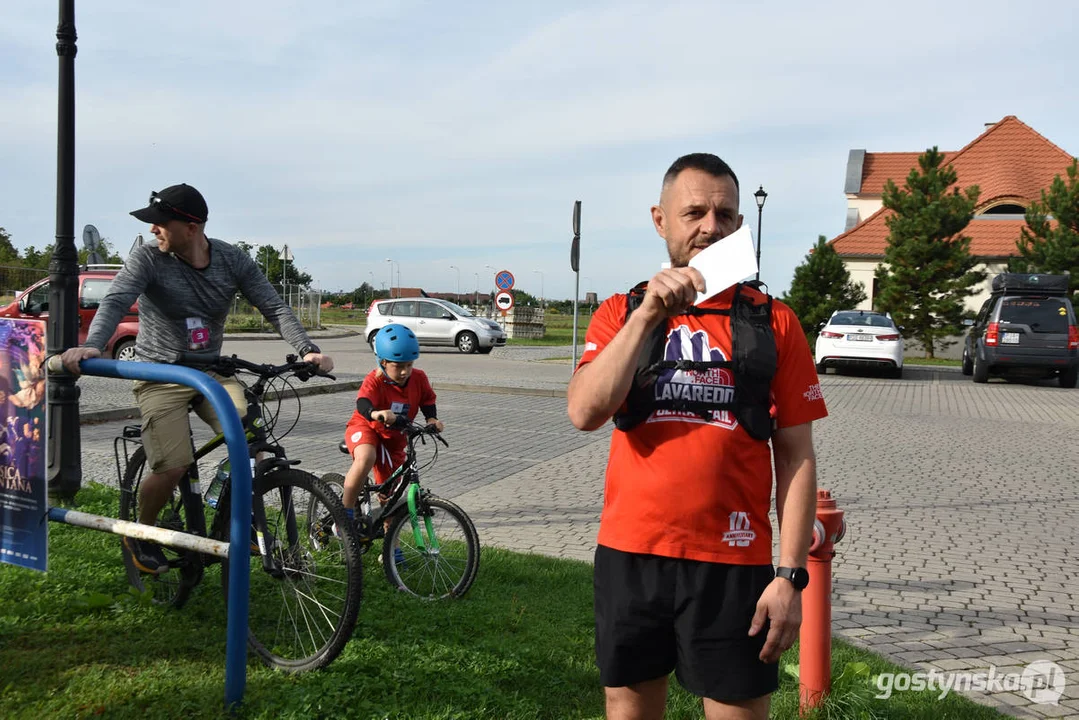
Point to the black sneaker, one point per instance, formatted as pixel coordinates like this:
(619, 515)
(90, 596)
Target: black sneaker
(147, 556)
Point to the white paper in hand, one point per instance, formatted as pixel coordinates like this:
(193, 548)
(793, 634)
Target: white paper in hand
(725, 263)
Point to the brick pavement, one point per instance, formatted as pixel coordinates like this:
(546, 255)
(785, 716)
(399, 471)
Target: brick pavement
(960, 502)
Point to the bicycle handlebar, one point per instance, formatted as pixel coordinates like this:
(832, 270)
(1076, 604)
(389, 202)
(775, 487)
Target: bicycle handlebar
(229, 364)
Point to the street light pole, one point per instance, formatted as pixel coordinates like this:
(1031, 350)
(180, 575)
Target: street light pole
(390, 261)
(541, 285)
(760, 196)
(476, 297)
(454, 267)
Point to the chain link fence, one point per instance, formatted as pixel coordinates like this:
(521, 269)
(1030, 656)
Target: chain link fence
(306, 303)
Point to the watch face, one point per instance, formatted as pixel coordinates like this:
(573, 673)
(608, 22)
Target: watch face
(800, 578)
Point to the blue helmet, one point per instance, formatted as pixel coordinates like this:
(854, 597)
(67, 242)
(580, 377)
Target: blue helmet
(396, 343)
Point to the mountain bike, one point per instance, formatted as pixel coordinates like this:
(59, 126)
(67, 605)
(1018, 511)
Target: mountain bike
(305, 586)
(430, 546)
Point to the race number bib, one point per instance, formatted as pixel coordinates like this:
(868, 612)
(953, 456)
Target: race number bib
(198, 335)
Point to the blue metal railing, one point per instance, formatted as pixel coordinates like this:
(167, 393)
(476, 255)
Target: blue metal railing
(240, 534)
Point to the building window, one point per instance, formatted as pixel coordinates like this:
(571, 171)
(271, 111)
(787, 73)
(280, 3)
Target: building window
(1005, 209)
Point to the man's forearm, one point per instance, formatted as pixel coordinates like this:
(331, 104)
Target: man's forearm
(799, 511)
(600, 387)
(796, 493)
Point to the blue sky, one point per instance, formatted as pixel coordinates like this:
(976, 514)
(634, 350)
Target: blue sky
(441, 134)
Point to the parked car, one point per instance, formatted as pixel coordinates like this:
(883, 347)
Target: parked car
(94, 282)
(860, 338)
(437, 322)
(1026, 328)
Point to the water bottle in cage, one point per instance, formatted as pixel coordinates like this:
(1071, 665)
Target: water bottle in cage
(224, 470)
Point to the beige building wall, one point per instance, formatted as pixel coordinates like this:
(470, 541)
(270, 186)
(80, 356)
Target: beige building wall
(865, 206)
(862, 271)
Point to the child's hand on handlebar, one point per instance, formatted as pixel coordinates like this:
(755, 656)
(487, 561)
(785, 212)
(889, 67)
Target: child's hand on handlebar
(436, 424)
(386, 417)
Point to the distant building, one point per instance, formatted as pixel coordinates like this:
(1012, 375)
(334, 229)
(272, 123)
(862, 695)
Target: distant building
(1010, 162)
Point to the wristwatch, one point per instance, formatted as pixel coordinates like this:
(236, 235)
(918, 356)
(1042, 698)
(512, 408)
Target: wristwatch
(308, 349)
(799, 577)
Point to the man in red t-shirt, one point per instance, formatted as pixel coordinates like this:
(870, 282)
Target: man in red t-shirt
(390, 396)
(683, 573)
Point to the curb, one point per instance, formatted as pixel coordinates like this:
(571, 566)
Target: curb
(317, 335)
(94, 417)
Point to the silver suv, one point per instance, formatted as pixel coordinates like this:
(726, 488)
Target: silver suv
(437, 322)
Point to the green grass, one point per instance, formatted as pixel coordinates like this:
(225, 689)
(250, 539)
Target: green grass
(945, 362)
(76, 644)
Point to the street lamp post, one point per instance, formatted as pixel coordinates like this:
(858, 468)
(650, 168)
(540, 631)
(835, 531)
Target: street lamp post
(476, 297)
(760, 196)
(454, 267)
(492, 267)
(541, 285)
(391, 262)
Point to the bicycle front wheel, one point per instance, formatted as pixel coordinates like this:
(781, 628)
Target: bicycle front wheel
(185, 567)
(303, 610)
(444, 563)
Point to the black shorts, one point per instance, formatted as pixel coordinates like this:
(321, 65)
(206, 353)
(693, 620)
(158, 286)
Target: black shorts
(656, 614)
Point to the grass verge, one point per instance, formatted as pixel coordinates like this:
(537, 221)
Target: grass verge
(76, 644)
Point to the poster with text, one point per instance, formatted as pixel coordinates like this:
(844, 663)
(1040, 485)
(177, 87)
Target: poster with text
(23, 486)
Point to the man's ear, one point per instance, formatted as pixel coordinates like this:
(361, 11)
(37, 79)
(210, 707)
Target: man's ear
(659, 220)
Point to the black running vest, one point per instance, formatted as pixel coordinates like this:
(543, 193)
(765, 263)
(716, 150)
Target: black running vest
(753, 365)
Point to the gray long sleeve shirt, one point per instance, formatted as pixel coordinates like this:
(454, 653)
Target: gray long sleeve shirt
(182, 309)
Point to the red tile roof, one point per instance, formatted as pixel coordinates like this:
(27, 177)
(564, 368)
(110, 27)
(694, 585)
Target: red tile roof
(879, 167)
(1010, 161)
(988, 238)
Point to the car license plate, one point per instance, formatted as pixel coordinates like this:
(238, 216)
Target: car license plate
(861, 338)
(1011, 338)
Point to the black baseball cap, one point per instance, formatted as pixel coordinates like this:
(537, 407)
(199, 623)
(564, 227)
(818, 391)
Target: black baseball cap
(176, 202)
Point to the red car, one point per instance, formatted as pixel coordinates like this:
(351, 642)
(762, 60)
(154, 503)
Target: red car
(94, 281)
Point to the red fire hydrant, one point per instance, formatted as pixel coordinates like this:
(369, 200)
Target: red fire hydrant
(815, 640)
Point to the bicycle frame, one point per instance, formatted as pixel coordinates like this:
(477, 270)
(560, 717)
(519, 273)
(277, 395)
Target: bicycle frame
(412, 492)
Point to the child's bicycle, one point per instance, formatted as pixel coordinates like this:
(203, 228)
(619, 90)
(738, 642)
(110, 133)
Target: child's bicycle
(430, 548)
(305, 586)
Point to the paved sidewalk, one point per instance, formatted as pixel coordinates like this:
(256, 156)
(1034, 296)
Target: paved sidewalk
(961, 502)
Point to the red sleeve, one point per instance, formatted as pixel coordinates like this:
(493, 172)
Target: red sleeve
(796, 387)
(372, 390)
(427, 393)
(606, 322)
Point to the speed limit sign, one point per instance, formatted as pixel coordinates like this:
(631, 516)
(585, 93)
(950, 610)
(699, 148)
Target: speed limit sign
(504, 301)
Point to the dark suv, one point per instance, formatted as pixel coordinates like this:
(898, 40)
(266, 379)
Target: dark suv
(1027, 328)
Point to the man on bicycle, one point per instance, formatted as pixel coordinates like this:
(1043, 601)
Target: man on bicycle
(185, 287)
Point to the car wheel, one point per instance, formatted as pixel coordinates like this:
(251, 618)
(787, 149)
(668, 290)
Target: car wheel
(467, 342)
(1068, 377)
(968, 366)
(124, 350)
(980, 370)
(821, 369)
(371, 339)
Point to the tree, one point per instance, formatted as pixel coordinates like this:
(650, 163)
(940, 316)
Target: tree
(245, 246)
(269, 259)
(8, 254)
(928, 271)
(821, 285)
(1048, 246)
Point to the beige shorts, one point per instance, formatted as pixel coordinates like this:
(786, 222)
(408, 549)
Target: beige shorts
(166, 429)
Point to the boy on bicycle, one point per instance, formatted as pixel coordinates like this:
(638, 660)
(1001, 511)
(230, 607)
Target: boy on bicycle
(389, 398)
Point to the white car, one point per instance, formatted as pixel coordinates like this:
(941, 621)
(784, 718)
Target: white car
(860, 338)
(437, 322)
